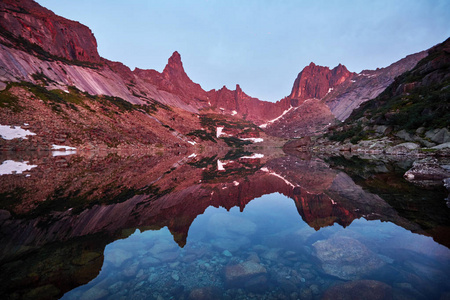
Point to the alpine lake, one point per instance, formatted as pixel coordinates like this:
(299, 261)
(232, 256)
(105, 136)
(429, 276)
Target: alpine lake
(241, 224)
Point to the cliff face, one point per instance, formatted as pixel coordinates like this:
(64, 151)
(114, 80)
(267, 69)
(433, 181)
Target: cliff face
(333, 94)
(416, 99)
(175, 80)
(316, 81)
(367, 85)
(37, 27)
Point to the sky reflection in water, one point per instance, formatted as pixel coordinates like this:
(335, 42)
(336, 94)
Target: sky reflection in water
(267, 252)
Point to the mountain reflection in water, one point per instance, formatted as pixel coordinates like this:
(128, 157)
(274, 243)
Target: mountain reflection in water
(234, 225)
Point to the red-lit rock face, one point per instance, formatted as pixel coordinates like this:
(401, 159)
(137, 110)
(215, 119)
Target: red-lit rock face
(316, 81)
(175, 80)
(56, 35)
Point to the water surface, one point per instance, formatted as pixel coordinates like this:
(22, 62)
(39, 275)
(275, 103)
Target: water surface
(226, 226)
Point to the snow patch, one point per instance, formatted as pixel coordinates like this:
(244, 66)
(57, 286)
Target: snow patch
(253, 156)
(279, 176)
(192, 142)
(63, 153)
(219, 131)
(220, 166)
(235, 183)
(254, 140)
(234, 113)
(329, 90)
(277, 118)
(192, 155)
(14, 132)
(15, 167)
(60, 147)
(65, 150)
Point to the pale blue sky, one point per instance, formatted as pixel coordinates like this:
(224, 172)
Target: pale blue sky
(260, 44)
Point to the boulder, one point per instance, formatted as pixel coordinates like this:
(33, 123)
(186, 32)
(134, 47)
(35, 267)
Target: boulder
(439, 136)
(248, 274)
(442, 146)
(229, 226)
(380, 129)
(426, 169)
(360, 289)
(404, 148)
(404, 135)
(346, 258)
(205, 293)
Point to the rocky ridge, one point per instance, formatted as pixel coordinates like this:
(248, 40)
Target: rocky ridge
(35, 42)
(410, 117)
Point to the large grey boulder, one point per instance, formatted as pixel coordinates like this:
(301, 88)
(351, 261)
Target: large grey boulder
(439, 136)
(346, 258)
(427, 169)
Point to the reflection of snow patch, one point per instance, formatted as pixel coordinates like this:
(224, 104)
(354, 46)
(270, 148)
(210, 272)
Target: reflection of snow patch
(254, 156)
(220, 166)
(59, 147)
(14, 167)
(254, 140)
(63, 153)
(11, 132)
(66, 150)
(271, 121)
(219, 131)
(279, 176)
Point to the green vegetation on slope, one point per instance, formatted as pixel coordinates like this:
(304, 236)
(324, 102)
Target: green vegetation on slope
(419, 98)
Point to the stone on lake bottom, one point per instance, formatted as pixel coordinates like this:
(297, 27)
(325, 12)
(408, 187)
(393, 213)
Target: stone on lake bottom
(230, 226)
(95, 293)
(346, 258)
(117, 257)
(205, 293)
(248, 274)
(360, 289)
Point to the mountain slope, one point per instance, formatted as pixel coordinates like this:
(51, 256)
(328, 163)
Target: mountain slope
(337, 92)
(414, 108)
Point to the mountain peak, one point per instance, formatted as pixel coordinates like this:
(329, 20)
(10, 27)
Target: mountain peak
(315, 81)
(175, 58)
(174, 65)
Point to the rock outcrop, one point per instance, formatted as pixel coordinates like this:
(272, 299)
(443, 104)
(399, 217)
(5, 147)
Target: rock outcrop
(338, 91)
(317, 81)
(175, 80)
(26, 24)
(366, 85)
